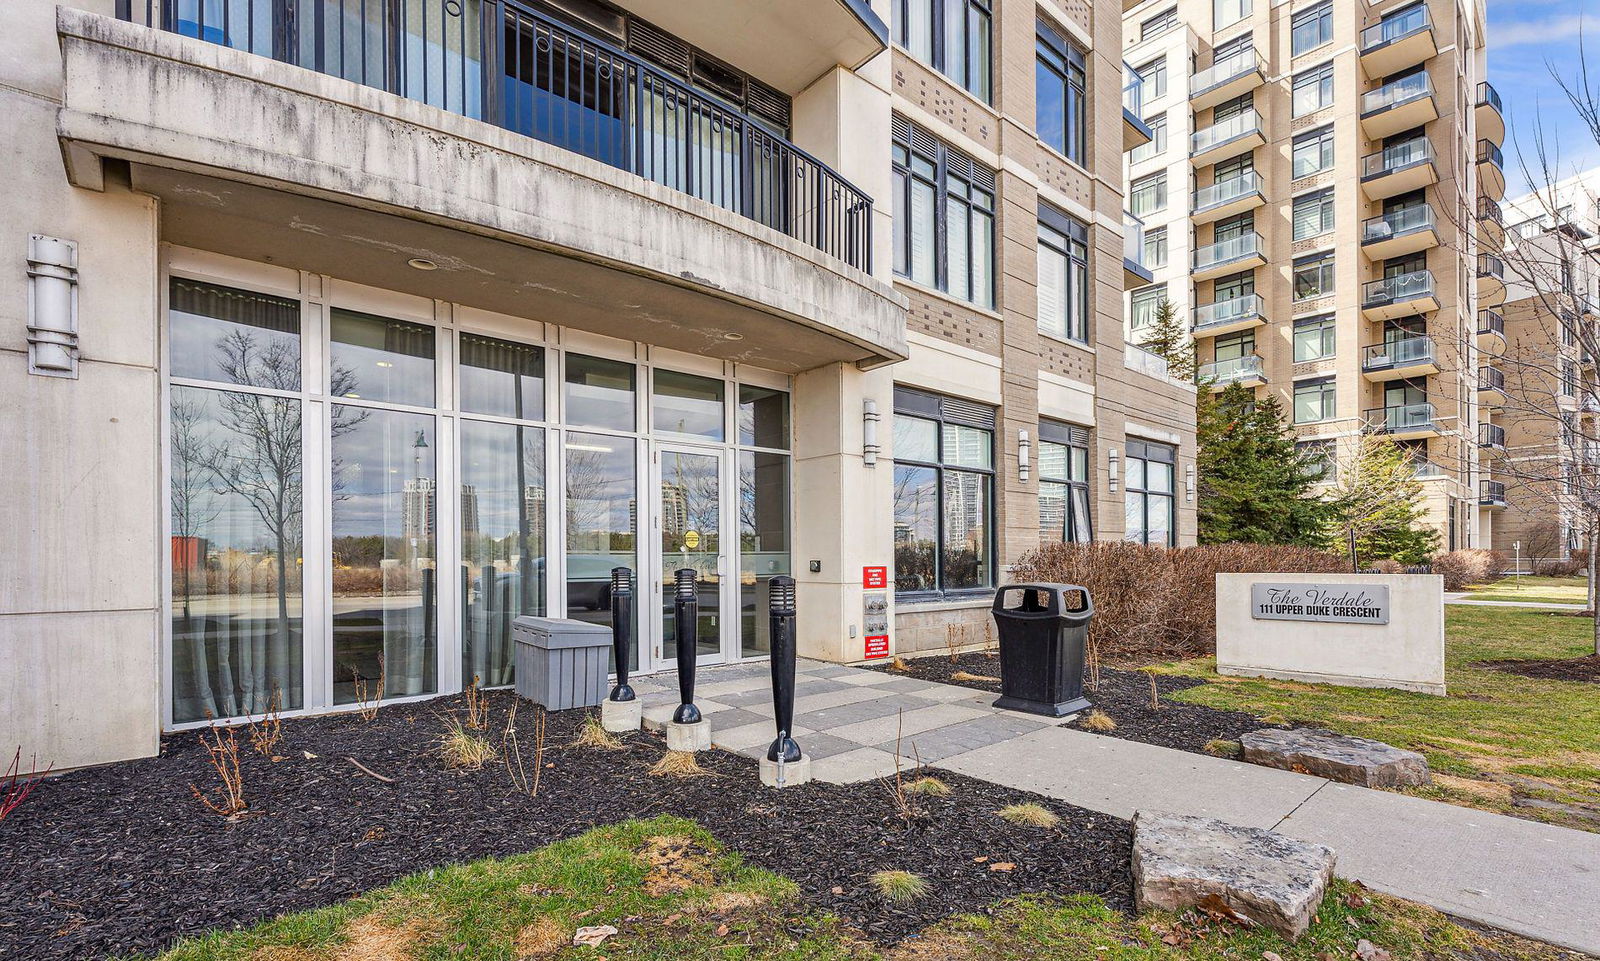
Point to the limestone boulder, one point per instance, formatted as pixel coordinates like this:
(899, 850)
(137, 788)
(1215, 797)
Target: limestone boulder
(1337, 757)
(1266, 878)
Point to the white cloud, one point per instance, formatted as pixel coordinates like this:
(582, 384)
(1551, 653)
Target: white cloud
(1545, 31)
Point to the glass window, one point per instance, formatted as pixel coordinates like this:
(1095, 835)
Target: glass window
(687, 405)
(963, 26)
(1150, 509)
(1148, 194)
(1064, 278)
(1226, 12)
(1155, 247)
(1153, 75)
(1064, 484)
(763, 417)
(1158, 140)
(948, 245)
(1059, 97)
(1313, 90)
(763, 543)
(375, 358)
(1311, 28)
(1321, 456)
(599, 393)
(1160, 23)
(943, 507)
(233, 336)
(1313, 152)
(503, 498)
(1313, 276)
(1314, 338)
(602, 490)
(1144, 303)
(501, 378)
(1314, 400)
(1313, 214)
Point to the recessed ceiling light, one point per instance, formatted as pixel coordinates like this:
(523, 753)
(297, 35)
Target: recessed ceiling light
(422, 264)
(733, 335)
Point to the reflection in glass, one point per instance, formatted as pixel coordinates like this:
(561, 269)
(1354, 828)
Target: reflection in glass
(234, 336)
(501, 378)
(964, 561)
(601, 484)
(916, 527)
(763, 417)
(687, 405)
(691, 511)
(374, 358)
(502, 543)
(763, 544)
(384, 577)
(236, 531)
(915, 439)
(599, 393)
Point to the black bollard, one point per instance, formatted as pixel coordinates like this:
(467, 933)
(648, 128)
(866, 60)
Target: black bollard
(687, 630)
(621, 629)
(784, 747)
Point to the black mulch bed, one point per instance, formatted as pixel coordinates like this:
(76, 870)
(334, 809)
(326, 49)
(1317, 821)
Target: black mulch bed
(124, 859)
(1585, 668)
(1124, 695)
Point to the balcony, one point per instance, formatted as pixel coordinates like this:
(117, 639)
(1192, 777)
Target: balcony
(1407, 357)
(1404, 422)
(1491, 437)
(1227, 256)
(1491, 224)
(1226, 79)
(1488, 115)
(1238, 134)
(1491, 280)
(711, 222)
(1399, 296)
(1228, 316)
(1491, 332)
(1399, 232)
(1491, 494)
(1397, 43)
(1423, 469)
(1134, 272)
(1400, 105)
(1398, 169)
(1246, 371)
(1226, 198)
(1491, 171)
(1491, 386)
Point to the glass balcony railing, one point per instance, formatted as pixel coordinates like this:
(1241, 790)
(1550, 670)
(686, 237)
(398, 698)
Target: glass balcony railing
(1421, 468)
(1491, 378)
(1492, 436)
(1402, 419)
(1490, 322)
(1404, 352)
(1229, 371)
(1489, 153)
(1227, 191)
(1224, 71)
(1132, 91)
(1227, 251)
(534, 75)
(1406, 89)
(1491, 492)
(1132, 239)
(1491, 266)
(1397, 157)
(1413, 21)
(1239, 125)
(1397, 223)
(1230, 311)
(1397, 289)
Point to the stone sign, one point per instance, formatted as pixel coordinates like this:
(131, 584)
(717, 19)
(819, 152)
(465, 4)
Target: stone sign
(1337, 603)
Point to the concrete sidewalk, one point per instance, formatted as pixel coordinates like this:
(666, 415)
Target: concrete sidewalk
(1545, 605)
(1522, 876)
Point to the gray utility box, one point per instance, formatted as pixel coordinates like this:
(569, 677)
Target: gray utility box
(561, 663)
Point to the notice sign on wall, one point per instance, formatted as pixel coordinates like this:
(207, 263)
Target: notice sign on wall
(874, 577)
(877, 646)
(1336, 603)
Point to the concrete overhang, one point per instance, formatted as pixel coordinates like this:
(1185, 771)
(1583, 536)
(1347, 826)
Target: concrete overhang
(785, 43)
(266, 161)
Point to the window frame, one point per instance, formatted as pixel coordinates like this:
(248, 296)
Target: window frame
(1068, 237)
(979, 83)
(1325, 328)
(1324, 263)
(1150, 452)
(1322, 139)
(1157, 180)
(1074, 438)
(1327, 388)
(942, 411)
(1324, 201)
(1322, 15)
(1160, 23)
(977, 179)
(1062, 59)
(1155, 293)
(1320, 78)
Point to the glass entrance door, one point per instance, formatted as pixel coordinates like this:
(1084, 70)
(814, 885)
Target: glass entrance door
(687, 508)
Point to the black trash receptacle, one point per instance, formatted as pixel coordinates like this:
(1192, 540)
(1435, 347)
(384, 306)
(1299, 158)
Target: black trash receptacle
(1041, 647)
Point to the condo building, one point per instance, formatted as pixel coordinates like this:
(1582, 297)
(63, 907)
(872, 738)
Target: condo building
(1320, 203)
(339, 334)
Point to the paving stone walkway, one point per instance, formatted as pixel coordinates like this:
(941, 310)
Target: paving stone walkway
(1530, 878)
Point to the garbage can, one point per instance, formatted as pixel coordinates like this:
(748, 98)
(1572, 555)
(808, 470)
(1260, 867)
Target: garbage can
(561, 663)
(1041, 647)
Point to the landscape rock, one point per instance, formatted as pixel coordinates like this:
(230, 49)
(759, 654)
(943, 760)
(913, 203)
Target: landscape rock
(1337, 757)
(1266, 878)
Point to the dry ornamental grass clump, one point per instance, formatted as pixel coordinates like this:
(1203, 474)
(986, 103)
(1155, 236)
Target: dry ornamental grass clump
(899, 887)
(596, 736)
(1029, 815)
(928, 786)
(1100, 721)
(463, 750)
(679, 764)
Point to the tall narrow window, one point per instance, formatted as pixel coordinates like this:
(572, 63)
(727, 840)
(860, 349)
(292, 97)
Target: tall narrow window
(951, 36)
(1228, 12)
(1059, 96)
(1150, 509)
(1157, 145)
(1154, 77)
(1063, 276)
(1311, 28)
(943, 494)
(1155, 247)
(944, 243)
(1148, 194)
(1144, 303)
(1064, 484)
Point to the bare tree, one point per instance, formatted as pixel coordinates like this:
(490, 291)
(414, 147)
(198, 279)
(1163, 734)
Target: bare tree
(193, 511)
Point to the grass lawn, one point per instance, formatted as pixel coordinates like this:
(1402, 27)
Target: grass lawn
(1533, 590)
(672, 894)
(1493, 734)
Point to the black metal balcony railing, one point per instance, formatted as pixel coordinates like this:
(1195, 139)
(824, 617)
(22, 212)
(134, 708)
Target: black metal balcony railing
(1491, 266)
(1491, 378)
(1490, 322)
(1491, 492)
(1489, 153)
(525, 72)
(1492, 436)
(1489, 96)
(1489, 210)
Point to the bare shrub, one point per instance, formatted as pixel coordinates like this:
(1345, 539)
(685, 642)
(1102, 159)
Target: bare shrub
(679, 764)
(16, 786)
(267, 732)
(227, 799)
(1554, 567)
(1100, 721)
(477, 706)
(370, 697)
(1388, 565)
(1466, 567)
(511, 750)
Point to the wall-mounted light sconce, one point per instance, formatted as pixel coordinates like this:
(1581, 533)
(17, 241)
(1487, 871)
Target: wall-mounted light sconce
(52, 307)
(1024, 455)
(1113, 462)
(869, 432)
(1188, 483)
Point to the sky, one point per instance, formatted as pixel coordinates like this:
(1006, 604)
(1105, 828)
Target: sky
(1527, 38)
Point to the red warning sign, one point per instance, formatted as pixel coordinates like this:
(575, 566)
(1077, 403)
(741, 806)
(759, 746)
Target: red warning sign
(875, 577)
(877, 646)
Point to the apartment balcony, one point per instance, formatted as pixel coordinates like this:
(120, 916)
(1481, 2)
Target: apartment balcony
(1400, 105)
(1134, 272)
(1398, 169)
(1228, 256)
(1491, 280)
(1423, 469)
(1491, 171)
(1491, 494)
(1491, 332)
(1408, 357)
(1489, 116)
(1406, 422)
(1229, 316)
(1491, 225)
(1399, 232)
(546, 167)
(1226, 79)
(1227, 198)
(1491, 437)
(1135, 132)
(1238, 134)
(1397, 43)
(1247, 371)
(1399, 296)
(1491, 386)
